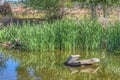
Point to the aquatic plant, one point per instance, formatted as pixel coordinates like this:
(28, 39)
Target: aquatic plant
(64, 35)
(112, 34)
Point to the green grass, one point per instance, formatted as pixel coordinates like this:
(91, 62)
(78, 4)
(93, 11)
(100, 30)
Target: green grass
(113, 36)
(65, 35)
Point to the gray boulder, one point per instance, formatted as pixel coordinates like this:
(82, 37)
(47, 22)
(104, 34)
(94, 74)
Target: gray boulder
(72, 60)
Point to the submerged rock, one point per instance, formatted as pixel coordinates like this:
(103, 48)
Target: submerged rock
(73, 61)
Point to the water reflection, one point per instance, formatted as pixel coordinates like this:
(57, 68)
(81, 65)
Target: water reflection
(2, 63)
(49, 66)
(7, 69)
(84, 69)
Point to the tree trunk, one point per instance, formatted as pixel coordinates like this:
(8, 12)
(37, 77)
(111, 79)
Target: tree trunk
(93, 10)
(57, 12)
(105, 11)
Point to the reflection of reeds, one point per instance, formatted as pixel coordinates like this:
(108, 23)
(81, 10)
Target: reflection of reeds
(65, 35)
(2, 63)
(50, 66)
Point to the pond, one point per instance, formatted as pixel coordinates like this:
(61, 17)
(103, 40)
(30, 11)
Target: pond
(15, 65)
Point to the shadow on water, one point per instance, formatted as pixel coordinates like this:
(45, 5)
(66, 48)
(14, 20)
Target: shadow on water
(49, 66)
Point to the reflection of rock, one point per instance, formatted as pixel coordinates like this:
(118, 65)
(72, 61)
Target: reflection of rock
(89, 69)
(73, 61)
(73, 70)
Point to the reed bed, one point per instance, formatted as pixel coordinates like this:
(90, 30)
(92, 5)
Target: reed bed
(65, 35)
(112, 34)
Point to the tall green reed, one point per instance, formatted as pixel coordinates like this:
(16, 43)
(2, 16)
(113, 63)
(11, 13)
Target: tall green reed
(113, 36)
(64, 35)
(90, 34)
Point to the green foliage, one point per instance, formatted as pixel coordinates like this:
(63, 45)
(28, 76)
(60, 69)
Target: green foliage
(90, 35)
(113, 36)
(42, 4)
(65, 35)
(104, 3)
(99, 1)
(51, 7)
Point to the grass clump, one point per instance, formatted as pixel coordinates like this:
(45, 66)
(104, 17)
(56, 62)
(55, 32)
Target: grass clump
(113, 36)
(64, 35)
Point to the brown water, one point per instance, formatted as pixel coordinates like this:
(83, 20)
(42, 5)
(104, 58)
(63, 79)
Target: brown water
(49, 66)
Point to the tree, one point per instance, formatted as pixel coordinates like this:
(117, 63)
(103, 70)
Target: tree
(103, 3)
(106, 3)
(91, 3)
(52, 8)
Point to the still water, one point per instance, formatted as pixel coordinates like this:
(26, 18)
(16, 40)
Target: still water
(49, 66)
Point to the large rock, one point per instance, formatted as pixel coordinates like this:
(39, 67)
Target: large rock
(73, 61)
